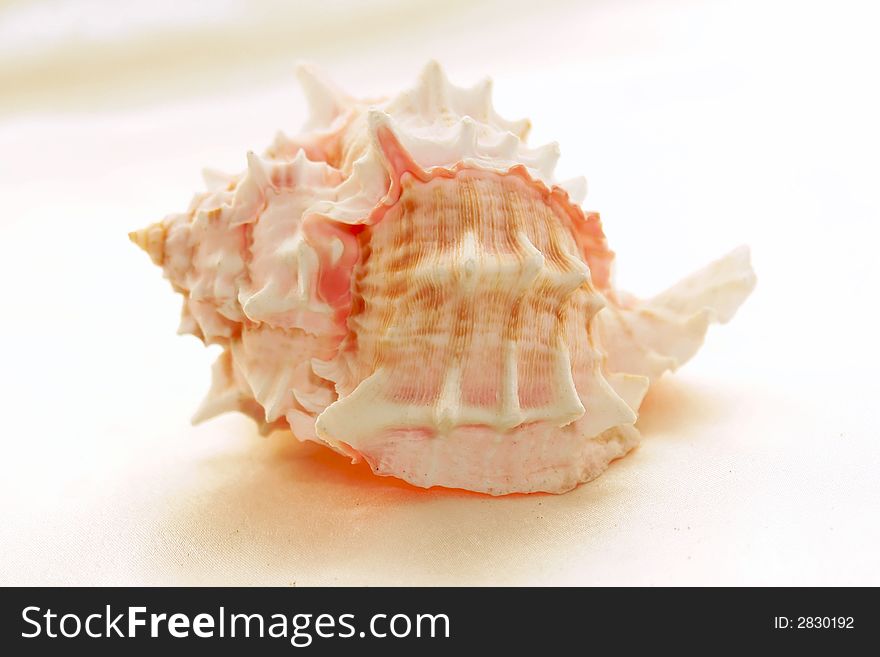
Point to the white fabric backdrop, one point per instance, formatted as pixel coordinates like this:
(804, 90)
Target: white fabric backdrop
(699, 126)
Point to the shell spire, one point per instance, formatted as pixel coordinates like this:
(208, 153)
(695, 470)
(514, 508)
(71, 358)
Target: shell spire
(406, 282)
(152, 240)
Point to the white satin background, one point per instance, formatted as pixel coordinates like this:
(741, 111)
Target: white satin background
(699, 125)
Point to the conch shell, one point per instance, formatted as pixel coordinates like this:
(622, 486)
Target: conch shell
(407, 283)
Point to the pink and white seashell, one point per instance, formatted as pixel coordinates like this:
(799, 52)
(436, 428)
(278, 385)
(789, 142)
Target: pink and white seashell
(406, 283)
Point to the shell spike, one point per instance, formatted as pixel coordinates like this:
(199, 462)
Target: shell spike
(397, 158)
(325, 100)
(257, 171)
(719, 287)
(481, 94)
(546, 158)
(224, 395)
(433, 87)
(188, 324)
(508, 146)
(467, 137)
(249, 194)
